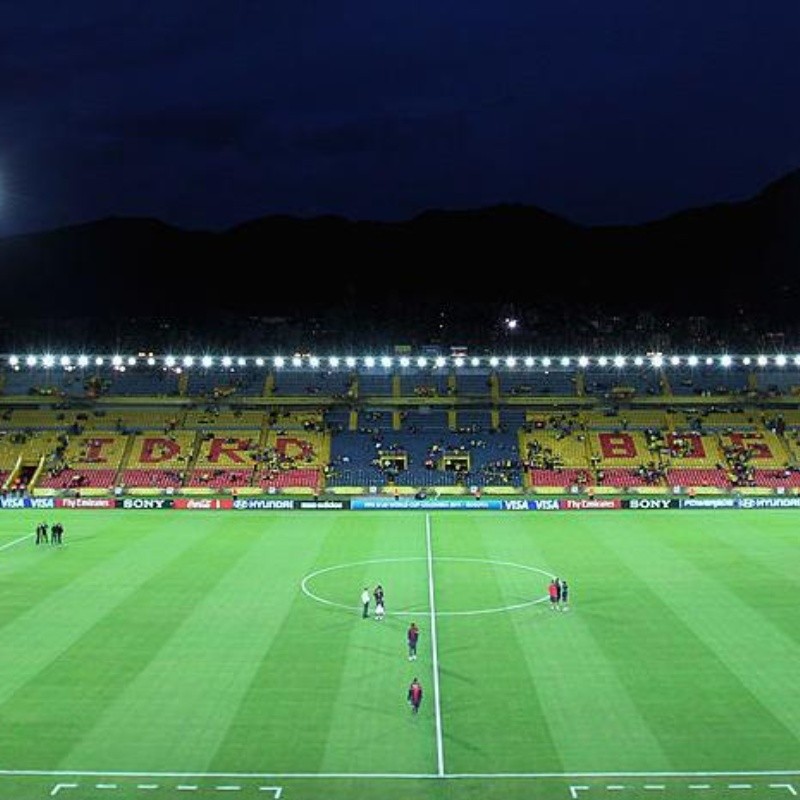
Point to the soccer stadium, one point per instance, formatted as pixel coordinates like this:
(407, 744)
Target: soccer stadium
(199, 630)
(399, 401)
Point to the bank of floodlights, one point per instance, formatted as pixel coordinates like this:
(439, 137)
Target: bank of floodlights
(509, 362)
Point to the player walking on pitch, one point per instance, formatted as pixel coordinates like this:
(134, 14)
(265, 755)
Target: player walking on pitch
(412, 636)
(415, 695)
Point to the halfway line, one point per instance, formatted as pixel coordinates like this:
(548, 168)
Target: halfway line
(434, 651)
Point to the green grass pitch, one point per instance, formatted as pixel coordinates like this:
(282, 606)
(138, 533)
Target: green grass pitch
(164, 654)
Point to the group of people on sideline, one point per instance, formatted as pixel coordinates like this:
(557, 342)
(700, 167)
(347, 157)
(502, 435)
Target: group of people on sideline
(56, 533)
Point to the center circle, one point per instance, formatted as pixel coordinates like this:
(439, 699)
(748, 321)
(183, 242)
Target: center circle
(307, 581)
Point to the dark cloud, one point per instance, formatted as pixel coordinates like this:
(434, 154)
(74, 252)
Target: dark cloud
(198, 111)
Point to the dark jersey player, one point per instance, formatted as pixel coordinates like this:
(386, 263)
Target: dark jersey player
(413, 637)
(414, 695)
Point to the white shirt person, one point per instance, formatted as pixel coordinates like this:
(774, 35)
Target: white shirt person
(365, 596)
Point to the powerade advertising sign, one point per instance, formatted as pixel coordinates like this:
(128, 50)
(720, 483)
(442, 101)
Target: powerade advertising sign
(741, 502)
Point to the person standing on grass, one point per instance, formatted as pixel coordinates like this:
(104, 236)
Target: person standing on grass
(365, 603)
(554, 592)
(413, 636)
(564, 595)
(378, 594)
(414, 695)
(41, 533)
(57, 533)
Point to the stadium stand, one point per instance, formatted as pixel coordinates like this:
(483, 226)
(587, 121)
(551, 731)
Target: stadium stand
(263, 429)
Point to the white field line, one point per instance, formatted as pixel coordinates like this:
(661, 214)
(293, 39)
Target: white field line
(16, 541)
(398, 775)
(437, 706)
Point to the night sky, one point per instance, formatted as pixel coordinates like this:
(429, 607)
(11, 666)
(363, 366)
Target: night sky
(206, 114)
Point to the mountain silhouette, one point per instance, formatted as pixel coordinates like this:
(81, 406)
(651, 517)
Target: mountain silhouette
(723, 262)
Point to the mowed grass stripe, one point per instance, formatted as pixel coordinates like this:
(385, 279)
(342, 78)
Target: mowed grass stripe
(492, 716)
(582, 707)
(581, 659)
(655, 657)
(63, 605)
(614, 685)
(285, 718)
(175, 712)
(755, 555)
(32, 571)
(322, 678)
(371, 727)
(98, 677)
(17, 544)
(747, 696)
